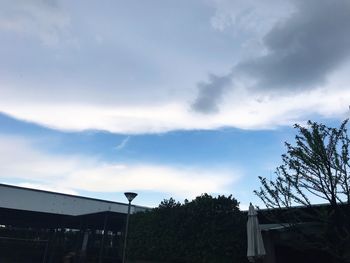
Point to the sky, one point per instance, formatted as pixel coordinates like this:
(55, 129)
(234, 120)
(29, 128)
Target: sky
(164, 98)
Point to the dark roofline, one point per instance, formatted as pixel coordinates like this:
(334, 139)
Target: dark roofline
(299, 207)
(69, 195)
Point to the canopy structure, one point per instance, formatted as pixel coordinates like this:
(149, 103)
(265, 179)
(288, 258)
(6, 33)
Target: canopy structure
(47, 226)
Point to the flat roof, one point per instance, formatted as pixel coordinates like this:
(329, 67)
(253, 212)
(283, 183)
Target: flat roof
(23, 198)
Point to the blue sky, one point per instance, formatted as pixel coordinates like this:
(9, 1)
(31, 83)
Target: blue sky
(165, 98)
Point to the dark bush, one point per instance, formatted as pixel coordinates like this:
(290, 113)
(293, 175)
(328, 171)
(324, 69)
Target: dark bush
(207, 229)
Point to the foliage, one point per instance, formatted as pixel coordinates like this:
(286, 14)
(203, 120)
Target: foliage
(206, 229)
(315, 169)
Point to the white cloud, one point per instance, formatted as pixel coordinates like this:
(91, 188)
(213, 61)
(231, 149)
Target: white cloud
(180, 181)
(241, 109)
(72, 174)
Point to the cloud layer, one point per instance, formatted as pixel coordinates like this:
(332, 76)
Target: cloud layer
(270, 63)
(261, 111)
(21, 162)
(304, 49)
(42, 19)
(301, 51)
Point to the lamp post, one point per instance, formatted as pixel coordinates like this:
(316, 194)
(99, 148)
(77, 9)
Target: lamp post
(130, 196)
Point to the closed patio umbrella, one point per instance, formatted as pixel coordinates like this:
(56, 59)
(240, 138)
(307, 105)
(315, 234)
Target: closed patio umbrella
(255, 247)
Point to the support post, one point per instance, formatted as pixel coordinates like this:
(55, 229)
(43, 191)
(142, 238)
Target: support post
(130, 196)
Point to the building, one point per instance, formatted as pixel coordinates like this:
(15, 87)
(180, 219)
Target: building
(43, 226)
(298, 234)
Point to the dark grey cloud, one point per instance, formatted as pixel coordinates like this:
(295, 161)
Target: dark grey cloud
(301, 50)
(210, 94)
(305, 48)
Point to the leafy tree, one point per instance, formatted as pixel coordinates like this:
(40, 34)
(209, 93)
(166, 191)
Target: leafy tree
(315, 169)
(206, 229)
(169, 203)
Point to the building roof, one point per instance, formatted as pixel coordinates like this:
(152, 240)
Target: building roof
(21, 198)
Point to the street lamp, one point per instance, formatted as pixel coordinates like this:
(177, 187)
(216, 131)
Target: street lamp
(130, 196)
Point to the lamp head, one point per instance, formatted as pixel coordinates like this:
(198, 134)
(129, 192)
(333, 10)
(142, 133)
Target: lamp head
(130, 196)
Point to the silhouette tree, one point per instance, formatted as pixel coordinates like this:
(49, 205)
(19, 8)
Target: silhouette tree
(316, 169)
